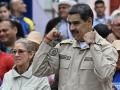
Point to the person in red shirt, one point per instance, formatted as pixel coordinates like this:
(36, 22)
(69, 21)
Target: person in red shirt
(6, 63)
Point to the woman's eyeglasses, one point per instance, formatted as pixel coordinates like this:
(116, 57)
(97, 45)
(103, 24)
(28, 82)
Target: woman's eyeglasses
(19, 51)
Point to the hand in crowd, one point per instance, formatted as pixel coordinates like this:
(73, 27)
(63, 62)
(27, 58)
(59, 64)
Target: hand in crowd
(89, 37)
(111, 37)
(52, 35)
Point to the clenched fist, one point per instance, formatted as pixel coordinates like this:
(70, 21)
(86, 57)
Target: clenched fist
(89, 37)
(52, 35)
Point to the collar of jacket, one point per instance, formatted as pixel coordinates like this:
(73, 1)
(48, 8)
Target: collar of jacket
(97, 18)
(98, 38)
(14, 17)
(27, 74)
(81, 45)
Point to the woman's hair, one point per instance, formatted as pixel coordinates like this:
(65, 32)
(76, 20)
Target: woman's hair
(30, 46)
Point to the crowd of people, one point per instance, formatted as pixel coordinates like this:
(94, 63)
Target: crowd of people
(77, 52)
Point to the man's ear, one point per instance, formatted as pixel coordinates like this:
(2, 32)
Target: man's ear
(9, 12)
(105, 7)
(15, 29)
(95, 8)
(89, 23)
(90, 20)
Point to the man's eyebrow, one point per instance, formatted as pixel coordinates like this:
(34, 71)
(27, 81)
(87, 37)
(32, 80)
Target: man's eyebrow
(75, 22)
(116, 24)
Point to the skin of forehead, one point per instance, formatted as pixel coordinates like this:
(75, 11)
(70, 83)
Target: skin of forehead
(6, 23)
(74, 17)
(65, 5)
(19, 46)
(116, 20)
(14, 1)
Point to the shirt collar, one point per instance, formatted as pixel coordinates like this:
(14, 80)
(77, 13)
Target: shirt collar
(14, 17)
(81, 45)
(100, 17)
(27, 74)
(8, 50)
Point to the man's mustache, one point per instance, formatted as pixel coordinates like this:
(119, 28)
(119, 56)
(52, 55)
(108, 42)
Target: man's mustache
(74, 31)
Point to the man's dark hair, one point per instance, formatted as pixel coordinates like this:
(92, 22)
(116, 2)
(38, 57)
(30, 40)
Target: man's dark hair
(99, 2)
(102, 30)
(4, 4)
(83, 10)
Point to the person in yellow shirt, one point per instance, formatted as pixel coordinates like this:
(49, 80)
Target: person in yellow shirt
(18, 7)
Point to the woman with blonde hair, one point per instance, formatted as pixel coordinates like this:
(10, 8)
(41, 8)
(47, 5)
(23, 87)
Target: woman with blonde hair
(20, 77)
